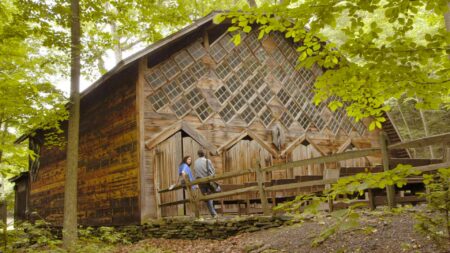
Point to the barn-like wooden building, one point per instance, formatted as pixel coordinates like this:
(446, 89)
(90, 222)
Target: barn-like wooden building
(247, 106)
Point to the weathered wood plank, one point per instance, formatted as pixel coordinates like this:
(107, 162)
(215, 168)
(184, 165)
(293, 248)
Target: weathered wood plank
(228, 193)
(426, 141)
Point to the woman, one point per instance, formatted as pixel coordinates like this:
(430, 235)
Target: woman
(184, 168)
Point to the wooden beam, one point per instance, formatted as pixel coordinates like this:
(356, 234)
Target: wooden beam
(344, 146)
(300, 184)
(198, 137)
(422, 142)
(315, 146)
(263, 144)
(390, 190)
(233, 141)
(325, 159)
(293, 145)
(175, 202)
(433, 167)
(228, 193)
(393, 162)
(166, 133)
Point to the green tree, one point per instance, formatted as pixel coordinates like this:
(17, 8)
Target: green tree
(383, 54)
(27, 98)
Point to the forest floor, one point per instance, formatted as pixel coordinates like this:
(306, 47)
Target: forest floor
(379, 231)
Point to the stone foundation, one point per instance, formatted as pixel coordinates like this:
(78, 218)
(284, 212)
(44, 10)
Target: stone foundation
(191, 228)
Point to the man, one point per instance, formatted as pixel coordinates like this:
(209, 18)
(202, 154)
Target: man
(204, 168)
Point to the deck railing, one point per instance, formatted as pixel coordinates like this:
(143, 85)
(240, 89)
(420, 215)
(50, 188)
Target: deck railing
(195, 199)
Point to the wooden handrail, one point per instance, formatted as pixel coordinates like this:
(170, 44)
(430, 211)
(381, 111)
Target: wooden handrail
(422, 142)
(323, 159)
(228, 193)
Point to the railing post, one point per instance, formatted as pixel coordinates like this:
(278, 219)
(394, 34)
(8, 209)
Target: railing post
(262, 192)
(390, 190)
(192, 197)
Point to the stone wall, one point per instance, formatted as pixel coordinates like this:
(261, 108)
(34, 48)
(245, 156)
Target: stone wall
(191, 228)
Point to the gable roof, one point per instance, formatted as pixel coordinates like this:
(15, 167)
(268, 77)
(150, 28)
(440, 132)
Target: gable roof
(168, 41)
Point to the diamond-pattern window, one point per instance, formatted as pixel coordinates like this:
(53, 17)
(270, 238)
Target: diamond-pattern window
(243, 51)
(217, 52)
(158, 100)
(169, 68)
(267, 94)
(278, 56)
(181, 107)
(257, 81)
(183, 59)
(233, 59)
(309, 110)
(252, 41)
(333, 125)
(279, 74)
(248, 115)
(346, 125)
(227, 113)
(194, 97)
(294, 110)
(243, 73)
(360, 127)
(307, 91)
(172, 90)
(257, 104)
(155, 78)
(261, 54)
(198, 70)
(233, 83)
(204, 111)
(283, 96)
(186, 79)
(223, 70)
(222, 94)
(252, 63)
(284, 45)
(286, 119)
(277, 37)
(238, 102)
(266, 117)
(196, 50)
(307, 75)
(291, 55)
(304, 121)
(320, 123)
(298, 80)
(287, 68)
(301, 100)
(291, 87)
(248, 92)
(227, 43)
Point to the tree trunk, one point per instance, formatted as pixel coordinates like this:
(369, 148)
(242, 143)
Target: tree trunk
(70, 192)
(252, 3)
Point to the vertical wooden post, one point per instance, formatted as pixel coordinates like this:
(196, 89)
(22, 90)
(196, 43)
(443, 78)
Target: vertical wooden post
(262, 192)
(371, 199)
(390, 190)
(192, 197)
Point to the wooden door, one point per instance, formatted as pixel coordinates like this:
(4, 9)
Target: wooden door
(246, 154)
(302, 152)
(168, 155)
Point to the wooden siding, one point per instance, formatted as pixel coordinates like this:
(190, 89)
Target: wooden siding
(194, 86)
(108, 166)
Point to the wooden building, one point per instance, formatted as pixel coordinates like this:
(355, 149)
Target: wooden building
(247, 105)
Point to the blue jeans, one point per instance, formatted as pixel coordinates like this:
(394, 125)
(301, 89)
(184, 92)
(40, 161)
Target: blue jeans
(205, 189)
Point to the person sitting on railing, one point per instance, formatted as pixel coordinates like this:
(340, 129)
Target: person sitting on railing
(204, 168)
(184, 170)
